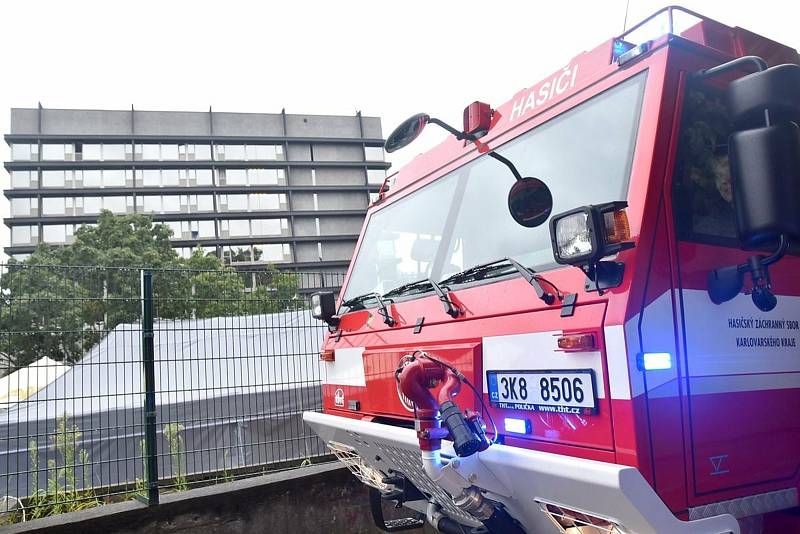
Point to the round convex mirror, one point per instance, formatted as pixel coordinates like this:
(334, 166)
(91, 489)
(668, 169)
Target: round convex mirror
(530, 202)
(406, 132)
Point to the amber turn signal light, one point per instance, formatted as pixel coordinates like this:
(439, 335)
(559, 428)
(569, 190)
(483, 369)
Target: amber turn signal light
(576, 342)
(327, 356)
(616, 225)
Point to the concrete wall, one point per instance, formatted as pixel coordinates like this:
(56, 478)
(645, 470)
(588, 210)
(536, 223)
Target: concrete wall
(335, 176)
(248, 124)
(315, 500)
(123, 122)
(306, 252)
(336, 250)
(299, 152)
(337, 152)
(340, 225)
(67, 121)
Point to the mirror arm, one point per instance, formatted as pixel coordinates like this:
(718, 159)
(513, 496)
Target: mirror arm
(459, 135)
(703, 74)
(470, 137)
(757, 267)
(506, 162)
(754, 263)
(779, 253)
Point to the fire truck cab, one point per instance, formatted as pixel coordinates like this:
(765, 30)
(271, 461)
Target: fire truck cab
(580, 312)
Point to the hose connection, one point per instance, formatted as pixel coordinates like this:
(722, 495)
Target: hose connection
(466, 430)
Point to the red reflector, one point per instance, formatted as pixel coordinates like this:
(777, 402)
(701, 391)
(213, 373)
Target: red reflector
(327, 356)
(576, 342)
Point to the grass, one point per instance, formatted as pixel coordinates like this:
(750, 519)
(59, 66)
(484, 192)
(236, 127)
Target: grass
(68, 484)
(61, 493)
(172, 433)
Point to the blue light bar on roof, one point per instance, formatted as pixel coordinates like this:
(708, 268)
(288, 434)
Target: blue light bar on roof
(620, 47)
(634, 52)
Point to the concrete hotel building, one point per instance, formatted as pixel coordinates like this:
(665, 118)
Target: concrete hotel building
(282, 188)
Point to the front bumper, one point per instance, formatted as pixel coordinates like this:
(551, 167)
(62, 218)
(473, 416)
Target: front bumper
(526, 482)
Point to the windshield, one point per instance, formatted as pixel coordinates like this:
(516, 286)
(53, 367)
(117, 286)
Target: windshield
(462, 219)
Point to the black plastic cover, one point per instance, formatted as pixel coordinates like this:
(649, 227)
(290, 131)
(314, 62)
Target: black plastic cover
(465, 442)
(724, 283)
(765, 175)
(776, 89)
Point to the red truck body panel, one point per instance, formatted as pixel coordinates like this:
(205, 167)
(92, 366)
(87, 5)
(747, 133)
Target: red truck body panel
(722, 422)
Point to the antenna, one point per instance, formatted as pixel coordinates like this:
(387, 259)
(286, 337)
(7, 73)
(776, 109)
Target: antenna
(625, 21)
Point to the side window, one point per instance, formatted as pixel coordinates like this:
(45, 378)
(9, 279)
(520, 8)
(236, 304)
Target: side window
(702, 195)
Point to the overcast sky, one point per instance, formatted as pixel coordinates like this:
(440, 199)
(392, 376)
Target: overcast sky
(387, 59)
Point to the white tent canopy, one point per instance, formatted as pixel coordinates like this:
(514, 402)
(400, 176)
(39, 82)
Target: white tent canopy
(237, 386)
(27, 381)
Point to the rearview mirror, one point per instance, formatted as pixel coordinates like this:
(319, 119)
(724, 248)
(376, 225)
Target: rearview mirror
(765, 175)
(404, 134)
(765, 154)
(530, 202)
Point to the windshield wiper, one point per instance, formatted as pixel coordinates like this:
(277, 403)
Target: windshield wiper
(481, 271)
(383, 310)
(451, 309)
(405, 288)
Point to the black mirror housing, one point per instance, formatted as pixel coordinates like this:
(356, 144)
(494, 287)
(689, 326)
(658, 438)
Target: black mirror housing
(404, 134)
(765, 176)
(323, 307)
(530, 202)
(725, 283)
(776, 89)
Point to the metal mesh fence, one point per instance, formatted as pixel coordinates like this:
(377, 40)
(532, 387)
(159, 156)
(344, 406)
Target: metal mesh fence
(232, 359)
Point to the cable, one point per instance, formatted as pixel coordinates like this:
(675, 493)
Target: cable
(464, 379)
(461, 377)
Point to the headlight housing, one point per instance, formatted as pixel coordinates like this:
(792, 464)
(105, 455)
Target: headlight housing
(574, 238)
(585, 235)
(323, 307)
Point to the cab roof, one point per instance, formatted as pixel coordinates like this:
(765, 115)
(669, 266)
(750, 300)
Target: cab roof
(582, 70)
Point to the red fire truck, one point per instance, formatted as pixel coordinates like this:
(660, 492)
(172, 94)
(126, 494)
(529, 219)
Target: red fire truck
(614, 344)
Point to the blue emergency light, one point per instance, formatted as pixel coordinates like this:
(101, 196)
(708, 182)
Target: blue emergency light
(517, 426)
(654, 361)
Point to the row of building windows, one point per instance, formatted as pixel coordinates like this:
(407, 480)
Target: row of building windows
(142, 152)
(96, 178)
(155, 204)
(265, 252)
(157, 152)
(60, 234)
(77, 179)
(268, 252)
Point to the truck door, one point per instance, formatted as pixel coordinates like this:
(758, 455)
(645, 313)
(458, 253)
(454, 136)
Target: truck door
(742, 366)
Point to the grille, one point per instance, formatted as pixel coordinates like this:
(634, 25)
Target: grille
(350, 458)
(571, 521)
(402, 461)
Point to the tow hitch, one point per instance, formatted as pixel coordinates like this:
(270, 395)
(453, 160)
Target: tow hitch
(398, 490)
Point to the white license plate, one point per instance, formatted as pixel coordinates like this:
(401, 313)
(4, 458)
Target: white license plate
(569, 391)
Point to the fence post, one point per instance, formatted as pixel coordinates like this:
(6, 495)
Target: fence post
(148, 362)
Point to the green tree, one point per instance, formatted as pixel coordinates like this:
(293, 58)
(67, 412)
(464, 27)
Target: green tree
(62, 300)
